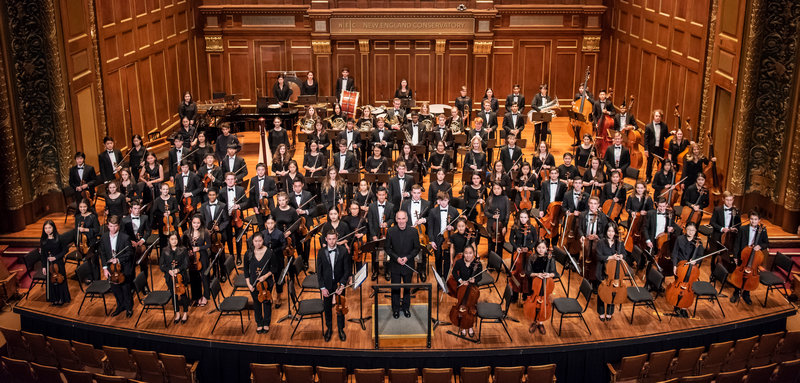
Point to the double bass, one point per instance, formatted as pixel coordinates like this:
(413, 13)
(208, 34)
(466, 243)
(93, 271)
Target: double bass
(604, 125)
(582, 107)
(633, 139)
(745, 276)
(538, 307)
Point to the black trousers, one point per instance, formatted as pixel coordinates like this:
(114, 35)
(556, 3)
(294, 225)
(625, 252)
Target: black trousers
(262, 310)
(603, 308)
(122, 293)
(327, 305)
(540, 132)
(231, 233)
(442, 261)
(401, 274)
(182, 300)
(650, 158)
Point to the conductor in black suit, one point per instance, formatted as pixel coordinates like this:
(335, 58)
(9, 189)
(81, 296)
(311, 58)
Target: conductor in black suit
(402, 245)
(345, 82)
(654, 135)
(617, 157)
(333, 272)
(115, 248)
(82, 176)
(109, 160)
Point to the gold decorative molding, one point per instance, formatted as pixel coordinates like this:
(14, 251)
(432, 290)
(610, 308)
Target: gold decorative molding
(98, 75)
(440, 46)
(792, 189)
(590, 44)
(741, 129)
(321, 46)
(482, 47)
(706, 103)
(214, 44)
(11, 190)
(363, 46)
(58, 91)
(401, 25)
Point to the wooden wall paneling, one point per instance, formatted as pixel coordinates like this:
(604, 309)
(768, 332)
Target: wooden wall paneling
(163, 106)
(481, 77)
(568, 76)
(502, 76)
(402, 70)
(241, 75)
(148, 104)
(173, 77)
(271, 57)
(184, 72)
(345, 54)
(645, 80)
(325, 74)
(215, 74)
(425, 74)
(597, 81)
(382, 77)
(134, 122)
(115, 104)
(457, 71)
(534, 65)
(663, 83)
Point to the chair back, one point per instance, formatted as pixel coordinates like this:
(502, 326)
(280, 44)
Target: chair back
(18, 347)
(474, 374)
(140, 283)
(717, 354)
(176, 369)
(494, 261)
(102, 378)
(65, 354)
(19, 369)
(91, 358)
(731, 376)
(637, 255)
(586, 291)
(655, 279)
(687, 361)
(229, 265)
(787, 372)
(788, 347)
(32, 259)
(265, 373)
(658, 364)
(783, 262)
(84, 273)
(765, 349)
(149, 367)
(506, 301)
(707, 378)
(720, 272)
(543, 373)
(298, 374)
(437, 375)
(742, 350)
(215, 291)
(47, 374)
(631, 367)
(120, 361)
(369, 375)
(44, 353)
(761, 374)
(77, 376)
(331, 374)
(509, 374)
(402, 375)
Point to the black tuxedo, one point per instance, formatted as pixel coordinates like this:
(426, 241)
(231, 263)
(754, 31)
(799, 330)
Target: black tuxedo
(238, 163)
(194, 185)
(304, 197)
(89, 176)
(409, 127)
(447, 137)
(624, 160)
(627, 117)
(692, 196)
(537, 101)
(489, 122)
(233, 232)
(510, 159)
(434, 227)
(269, 187)
(508, 123)
(144, 227)
(329, 276)
(423, 210)
(597, 110)
(399, 113)
(650, 226)
(568, 204)
(650, 143)
(216, 172)
(106, 169)
(350, 162)
(394, 189)
(174, 165)
(351, 86)
(520, 102)
(743, 240)
(388, 137)
(600, 226)
(373, 220)
(220, 214)
(718, 222)
(122, 291)
(356, 142)
(544, 202)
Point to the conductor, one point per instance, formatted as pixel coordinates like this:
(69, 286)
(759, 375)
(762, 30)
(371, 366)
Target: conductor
(402, 245)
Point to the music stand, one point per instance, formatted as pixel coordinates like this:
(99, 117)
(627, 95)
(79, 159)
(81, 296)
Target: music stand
(407, 103)
(376, 178)
(481, 230)
(282, 279)
(307, 99)
(372, 247)
(358, 280)
(441, 288)
(351, 178)
(542, 116)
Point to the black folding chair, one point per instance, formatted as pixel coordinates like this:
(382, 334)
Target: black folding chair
(706, 291)
(304, 308)
(152, 300)
(231, 305)
(94, 288)
(570, 307)
(495, 312)
(772, 280)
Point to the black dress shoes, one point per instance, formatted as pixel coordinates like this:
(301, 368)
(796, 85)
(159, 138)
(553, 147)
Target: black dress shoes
(374, 277)
(327, 335)
(396, 314)
(406, 313)
(342, 335)
(116, 312)
(423, 276)
(128, 313)
(735, 297)
(746, 299)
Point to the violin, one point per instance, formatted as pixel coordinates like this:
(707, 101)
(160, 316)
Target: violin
(168, 220)
(498, 236)
(665, 243)
(480, 217)
(288, 250)
(207, 180)
(188, 206)
(745, 276)
(55, 275)
(464, 311)
(679, 293)
(85, 194)
(611, 208)
(423, 234)
(236, 218)
(358, 255)
(83, 241)
(198, 264)
(525, 196)
(177, 281)
(341, 303)
(384, 229)
(612, 290)
(264, 291)
(115, 271)
(538, 306)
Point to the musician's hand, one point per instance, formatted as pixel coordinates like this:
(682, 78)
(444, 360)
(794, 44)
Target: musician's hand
(406, 195)
(287, 234)
(44, 270)
(374, 238)
(675, 270)
(421, 221)
(642, 212)
(725, 229)
(649, 244)
(670, 229)
(215, 228)
(695, 208)
(480, 201)
(166, 214)
(250, 287)
(107, 274)
(496, 216)
(616, 200)
(647, 153)
(473, 167)
(471, 280)
(583, 239)
(757, 248)
(433, 245)
(713, 159)
(576, 213)
(541, 214)
(463, 283)
(383, 225)
(114, 260)
(51, 259)
(195, 249)
(402, 260)
(359, 235)
(449, 228)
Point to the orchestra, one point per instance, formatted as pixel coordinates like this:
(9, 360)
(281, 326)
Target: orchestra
(524, 208)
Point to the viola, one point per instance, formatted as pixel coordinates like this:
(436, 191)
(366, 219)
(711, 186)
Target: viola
(85, 194)
(207, 180)
(498, 236)
(745, 276)
(611, 208)
(464, 311)
(358, 255)
(288, 250)
(264, 291)
(612, 290)
(83, 240)
(423, 234)
(549, 223)
(538, 307)
(115, 271)
(341, 303)
(236, 218)
(679, 293)
(55, 274)
(480, 217)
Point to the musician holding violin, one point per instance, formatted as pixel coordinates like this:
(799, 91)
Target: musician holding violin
(197, 241)
(464, 272)
(657, 222)
(586, 150)
(499, 175)
(497, 212)
(358, 224)
(567, 170)
(748, 252)
(439, 225)
(462, 237)
(380, 216)
(664, 179)
(87, 227)
(725, 220)
(333, 273)
(526, 186)
(137, 227)
(523, 238)
(299, 200)
(262, 189)
(540, 268)
(336, 224)
(211, 175)
(687, 248)
(608, 248)
(473, 194)
(117, 258)
(639, 203)
(439, 183)
(594, 178)
(553, 190)
(82, 178)
(693, 164)
(542, 161)
(575, 200)
(164, 209)
(52, 252)
(189, 187)
(174, 263)
(260, 277)
(233, 196)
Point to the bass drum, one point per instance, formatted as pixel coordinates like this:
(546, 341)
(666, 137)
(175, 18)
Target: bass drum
(349, 102)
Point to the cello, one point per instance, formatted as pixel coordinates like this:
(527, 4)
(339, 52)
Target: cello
(538, 307)
(589, 256)
(632, 139)
(581, 107)
(549, 223)
(665, 242)
(688, 214)
(464, 311)
(745, 276)
(634, 237)
(612, 290)
(612, 208)
(679, 293)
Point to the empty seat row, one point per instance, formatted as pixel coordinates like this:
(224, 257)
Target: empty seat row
(727, 356)
(272, 373)
(785, 372)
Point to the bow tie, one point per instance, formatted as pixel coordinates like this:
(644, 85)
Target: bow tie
(178, 150)
(213, 204)
(331, 251)
(135, 218)
(381, 205)
(591, 214)
(443, 210)
(401, 178)
(618, 148)
(661, 213)
(553, 182)
(728, 209)
(298, 196)
(110, 151)
(417, 202)
(185, 175)
(80, 167)
(260, 179)
(230, 189)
